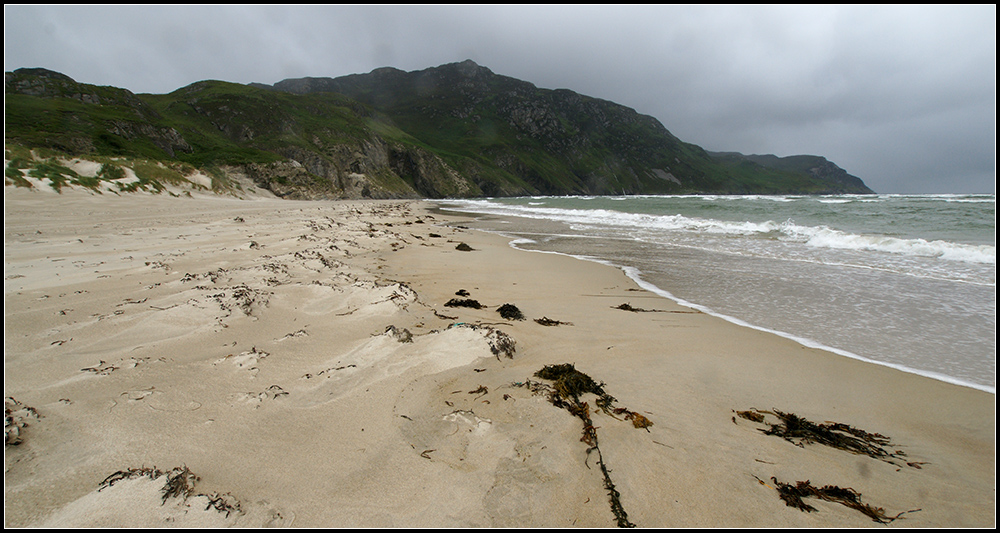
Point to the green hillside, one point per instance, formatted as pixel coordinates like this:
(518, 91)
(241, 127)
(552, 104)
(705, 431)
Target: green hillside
(454, 130)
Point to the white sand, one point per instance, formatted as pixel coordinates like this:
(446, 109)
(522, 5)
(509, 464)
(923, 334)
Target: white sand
(250, 341)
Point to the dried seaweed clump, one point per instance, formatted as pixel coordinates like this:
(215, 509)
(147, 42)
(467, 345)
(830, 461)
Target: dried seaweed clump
(546, 321)
(15, 416)
(800, 431)
(792, 495)
(510, 312)
(462, 247)
(627, 307)
(464, 302)
(180, 483)
(500, 343)
(570, 383)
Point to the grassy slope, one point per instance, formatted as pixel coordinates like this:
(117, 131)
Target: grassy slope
(504, 134)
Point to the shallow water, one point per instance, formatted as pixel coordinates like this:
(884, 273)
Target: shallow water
(905, 281)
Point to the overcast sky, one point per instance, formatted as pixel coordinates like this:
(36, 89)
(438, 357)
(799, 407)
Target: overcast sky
(902, 97)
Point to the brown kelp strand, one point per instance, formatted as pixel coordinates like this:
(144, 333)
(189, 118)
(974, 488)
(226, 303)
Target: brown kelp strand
(793, 496)
(801, 431)
(568, 384)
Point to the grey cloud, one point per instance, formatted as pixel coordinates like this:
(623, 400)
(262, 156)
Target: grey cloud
(900, 96)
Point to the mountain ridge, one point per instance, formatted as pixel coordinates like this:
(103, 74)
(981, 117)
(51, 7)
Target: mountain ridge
(454, 130)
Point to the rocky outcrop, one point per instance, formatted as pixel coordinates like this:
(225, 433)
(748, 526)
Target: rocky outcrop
(372, 169)
(166, 138)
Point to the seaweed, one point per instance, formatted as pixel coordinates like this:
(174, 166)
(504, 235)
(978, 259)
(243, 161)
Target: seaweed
(800, 431)
(546, 321)
(638, 421)
(131, 473)
(462, 247)
(792, 495)
(627, 307)
(16, 416)
(466, 302)
(510, 312)
(500, 342)
(568, 385)
(223, 502)
(180, 483)
(751, 415)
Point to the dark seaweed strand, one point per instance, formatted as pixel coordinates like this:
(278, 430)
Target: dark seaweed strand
(798, 430)
(569, 384)
(621, 517)
(792, 496)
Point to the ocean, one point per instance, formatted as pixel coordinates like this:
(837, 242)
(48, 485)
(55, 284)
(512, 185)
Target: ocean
(906, 281)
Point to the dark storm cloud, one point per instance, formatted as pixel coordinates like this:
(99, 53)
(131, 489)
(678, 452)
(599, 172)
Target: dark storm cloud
(903, 97)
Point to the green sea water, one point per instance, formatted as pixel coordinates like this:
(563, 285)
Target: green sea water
(907, 281)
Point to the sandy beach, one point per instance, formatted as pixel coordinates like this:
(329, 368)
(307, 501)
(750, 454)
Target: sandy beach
(210, 362)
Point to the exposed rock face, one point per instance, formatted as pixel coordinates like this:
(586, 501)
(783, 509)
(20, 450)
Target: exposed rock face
(167, 139)
(372, 169)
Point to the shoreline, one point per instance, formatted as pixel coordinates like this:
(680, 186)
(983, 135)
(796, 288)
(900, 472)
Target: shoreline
(637, 275)
(269, 357)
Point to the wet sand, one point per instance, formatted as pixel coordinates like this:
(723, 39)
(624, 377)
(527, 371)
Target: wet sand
(300, 361)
